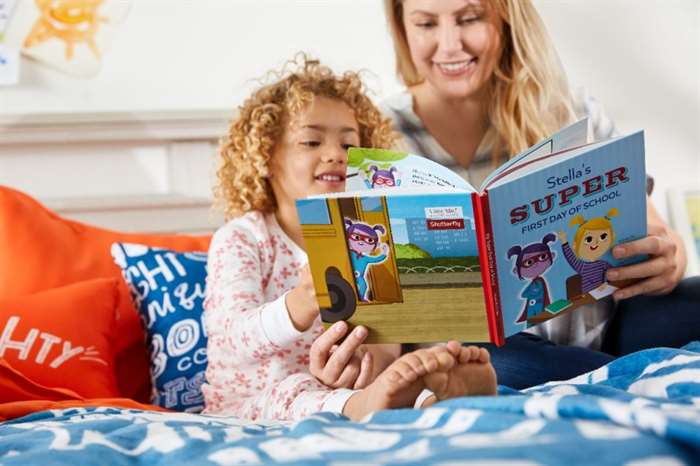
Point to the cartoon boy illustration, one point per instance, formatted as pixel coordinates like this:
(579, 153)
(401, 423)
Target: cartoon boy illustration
(363, 240)
(592, 240)
(531, 262)
(382, 178)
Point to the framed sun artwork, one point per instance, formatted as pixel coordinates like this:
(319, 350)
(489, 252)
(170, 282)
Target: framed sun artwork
(684, 212)
(71, 35)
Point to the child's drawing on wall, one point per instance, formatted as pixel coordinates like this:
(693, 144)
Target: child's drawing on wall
(71, 35)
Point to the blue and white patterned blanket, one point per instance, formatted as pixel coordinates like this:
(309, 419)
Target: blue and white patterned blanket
(641, 410)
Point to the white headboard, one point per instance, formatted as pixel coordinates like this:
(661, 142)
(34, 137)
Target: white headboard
(145, 171)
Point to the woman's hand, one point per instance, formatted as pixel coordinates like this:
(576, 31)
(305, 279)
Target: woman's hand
(344, 365)
(301, 301)
(662, 271)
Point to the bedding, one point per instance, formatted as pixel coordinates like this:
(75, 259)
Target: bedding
(42, 250)
(642, 409)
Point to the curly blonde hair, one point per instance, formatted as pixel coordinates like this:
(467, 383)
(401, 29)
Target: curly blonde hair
(246, 149)
(530, 95)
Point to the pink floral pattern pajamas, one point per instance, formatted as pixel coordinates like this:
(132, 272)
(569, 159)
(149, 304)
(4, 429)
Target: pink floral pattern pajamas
(258, 361)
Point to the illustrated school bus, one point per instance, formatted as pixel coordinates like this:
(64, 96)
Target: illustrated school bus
(393, 312)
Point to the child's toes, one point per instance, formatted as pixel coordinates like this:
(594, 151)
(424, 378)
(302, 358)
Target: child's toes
(469, 354)
(484, 355)
(409, 367)
(428, 360)
(415, 362)
(444, 358)
(454, 347)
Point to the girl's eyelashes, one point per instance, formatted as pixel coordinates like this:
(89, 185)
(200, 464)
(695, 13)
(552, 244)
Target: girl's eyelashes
(310, 143)
(347, 146)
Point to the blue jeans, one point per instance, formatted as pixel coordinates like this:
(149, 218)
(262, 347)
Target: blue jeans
(641, 322)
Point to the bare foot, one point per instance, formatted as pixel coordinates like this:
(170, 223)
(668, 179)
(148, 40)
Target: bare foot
(472, 375)
(399, 385)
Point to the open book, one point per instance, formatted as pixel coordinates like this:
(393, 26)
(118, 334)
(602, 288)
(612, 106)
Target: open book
(412, 251)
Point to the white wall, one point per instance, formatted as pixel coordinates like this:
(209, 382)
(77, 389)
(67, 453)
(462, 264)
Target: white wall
(640, 57)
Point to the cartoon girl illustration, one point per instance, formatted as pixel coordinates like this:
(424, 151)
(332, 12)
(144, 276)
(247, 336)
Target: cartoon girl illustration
(363, 240)
(531, 263)
(592, 240)
(382, 178)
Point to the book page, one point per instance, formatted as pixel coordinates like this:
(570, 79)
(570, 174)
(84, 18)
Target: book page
(398, 191)
(574, 135)
(383, 169)
(554, 229)
(543, 162)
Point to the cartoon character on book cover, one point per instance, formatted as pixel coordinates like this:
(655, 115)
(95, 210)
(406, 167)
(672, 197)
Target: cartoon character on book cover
(531, 263)
(593, 238)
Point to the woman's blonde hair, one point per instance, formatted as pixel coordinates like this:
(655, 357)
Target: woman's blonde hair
(530, 96)
(597, 223)
(246, 149)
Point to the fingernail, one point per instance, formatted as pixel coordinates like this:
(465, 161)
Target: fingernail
(339, 327)
(612, 275)
(619, 251)
(360, 332)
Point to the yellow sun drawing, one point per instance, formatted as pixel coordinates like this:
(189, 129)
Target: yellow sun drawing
(71, 21)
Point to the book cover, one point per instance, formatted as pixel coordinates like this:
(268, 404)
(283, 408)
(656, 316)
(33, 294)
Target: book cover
(406, 266)
(553, 241)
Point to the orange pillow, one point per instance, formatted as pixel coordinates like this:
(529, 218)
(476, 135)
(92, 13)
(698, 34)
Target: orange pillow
(20, 396)
(61, 338)
(40, 250)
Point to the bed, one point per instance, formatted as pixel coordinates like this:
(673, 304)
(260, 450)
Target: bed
(642, 409)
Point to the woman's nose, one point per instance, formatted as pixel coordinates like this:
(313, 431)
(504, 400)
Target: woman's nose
(449, 39)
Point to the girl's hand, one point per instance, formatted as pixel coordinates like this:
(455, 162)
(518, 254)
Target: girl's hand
(562, 237)
(301, 301)
(344, 365)
(660, 273)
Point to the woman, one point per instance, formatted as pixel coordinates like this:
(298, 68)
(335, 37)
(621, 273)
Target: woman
(483, 82)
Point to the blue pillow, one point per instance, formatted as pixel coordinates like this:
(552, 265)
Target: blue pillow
(168, 291)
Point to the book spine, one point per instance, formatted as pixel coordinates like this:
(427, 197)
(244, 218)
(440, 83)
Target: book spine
(487, 262)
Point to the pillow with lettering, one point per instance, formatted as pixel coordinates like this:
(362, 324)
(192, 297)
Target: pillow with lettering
(40, 250)
(60, 338)
(168, 290)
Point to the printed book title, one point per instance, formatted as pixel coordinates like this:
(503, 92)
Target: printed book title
(569, 198)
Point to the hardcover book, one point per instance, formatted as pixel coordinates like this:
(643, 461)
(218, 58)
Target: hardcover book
(416, 254)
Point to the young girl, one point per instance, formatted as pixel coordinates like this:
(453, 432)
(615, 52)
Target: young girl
(289, 141)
